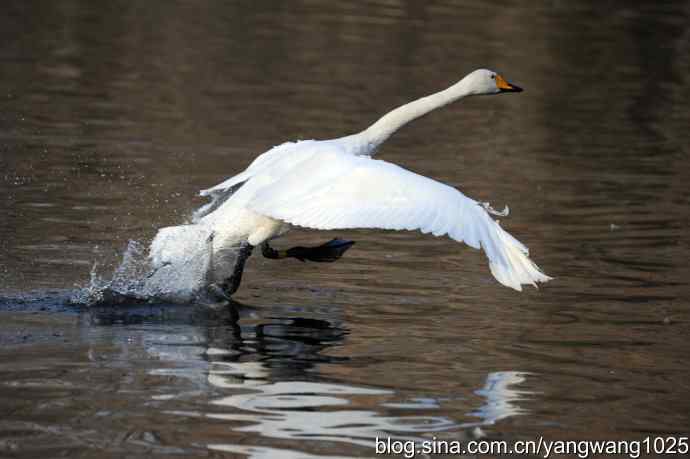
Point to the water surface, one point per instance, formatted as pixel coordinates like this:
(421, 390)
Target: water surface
(114, 114)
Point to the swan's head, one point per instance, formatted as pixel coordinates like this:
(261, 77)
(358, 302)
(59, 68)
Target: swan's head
(485, 81)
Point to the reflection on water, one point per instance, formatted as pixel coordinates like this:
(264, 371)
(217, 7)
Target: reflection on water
(264, 376)
(286, 410)
(501, 396)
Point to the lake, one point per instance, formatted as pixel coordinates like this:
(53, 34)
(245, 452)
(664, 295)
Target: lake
(114, 114)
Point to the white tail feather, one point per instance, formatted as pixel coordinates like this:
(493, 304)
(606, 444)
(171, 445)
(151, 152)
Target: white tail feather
(509, 259)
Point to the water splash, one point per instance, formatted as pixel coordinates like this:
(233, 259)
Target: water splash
(127, 282)
(176, 268)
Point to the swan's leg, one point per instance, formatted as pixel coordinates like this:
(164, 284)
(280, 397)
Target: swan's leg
(232, 283)
(224, 290)
(324, 253)
(215, 299)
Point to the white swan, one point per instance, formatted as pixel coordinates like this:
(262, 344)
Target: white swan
(335, 184)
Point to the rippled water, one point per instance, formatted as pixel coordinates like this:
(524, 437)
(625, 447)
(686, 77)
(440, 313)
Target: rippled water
(114, 114)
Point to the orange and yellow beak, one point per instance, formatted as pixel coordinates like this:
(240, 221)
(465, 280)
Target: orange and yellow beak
(504, 86)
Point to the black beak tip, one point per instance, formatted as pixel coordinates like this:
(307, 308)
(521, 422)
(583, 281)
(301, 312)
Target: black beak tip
(514, 88)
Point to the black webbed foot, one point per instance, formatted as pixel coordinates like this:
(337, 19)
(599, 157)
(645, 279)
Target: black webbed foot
(325, 253)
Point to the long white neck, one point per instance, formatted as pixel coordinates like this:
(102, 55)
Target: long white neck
(367, 141)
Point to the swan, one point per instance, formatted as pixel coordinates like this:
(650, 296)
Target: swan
(337, 184)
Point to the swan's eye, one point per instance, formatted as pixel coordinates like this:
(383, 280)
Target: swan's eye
(493, 77)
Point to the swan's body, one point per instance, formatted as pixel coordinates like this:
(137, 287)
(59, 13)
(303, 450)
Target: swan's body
(335, 184)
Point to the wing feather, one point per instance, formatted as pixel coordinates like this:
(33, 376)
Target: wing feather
(335, 190)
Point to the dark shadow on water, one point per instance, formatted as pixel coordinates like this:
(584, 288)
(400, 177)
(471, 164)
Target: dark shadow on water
(298, 341)
(57, 301)
(164, 313)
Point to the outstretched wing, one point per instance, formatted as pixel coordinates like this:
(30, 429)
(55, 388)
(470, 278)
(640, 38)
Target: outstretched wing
(337, 191)
(275, 158)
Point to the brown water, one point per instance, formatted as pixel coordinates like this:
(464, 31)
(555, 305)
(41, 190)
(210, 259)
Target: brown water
(114, 114)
